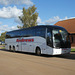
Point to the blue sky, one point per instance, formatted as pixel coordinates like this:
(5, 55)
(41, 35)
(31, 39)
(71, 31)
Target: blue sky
(49, 8)
(50, 12)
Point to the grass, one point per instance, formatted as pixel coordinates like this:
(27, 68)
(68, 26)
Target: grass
(73, 50)
(3, 48)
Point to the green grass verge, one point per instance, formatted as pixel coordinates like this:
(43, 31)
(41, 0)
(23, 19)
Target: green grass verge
(3, 48)
(72, 50)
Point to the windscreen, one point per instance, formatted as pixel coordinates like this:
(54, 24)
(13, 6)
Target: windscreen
(61, 39)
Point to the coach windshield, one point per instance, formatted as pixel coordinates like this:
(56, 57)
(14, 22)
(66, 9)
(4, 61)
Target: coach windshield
(61, 38)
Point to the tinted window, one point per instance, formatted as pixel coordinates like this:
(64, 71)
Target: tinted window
(31, 32)
(26, 33)
(40, 32)
(8, 35)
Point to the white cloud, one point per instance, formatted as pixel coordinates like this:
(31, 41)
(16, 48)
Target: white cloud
(16, 2)
(72, 17)
(7, 28)
(10, 12)
(52, 20)
(0, 23)
(39, 20)
(55, 19)
(17, 20)
(65, 18)
(4, 28)
(47, 22)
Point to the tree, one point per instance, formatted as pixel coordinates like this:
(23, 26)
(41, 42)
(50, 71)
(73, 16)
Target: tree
(2, 37)
(29, 17)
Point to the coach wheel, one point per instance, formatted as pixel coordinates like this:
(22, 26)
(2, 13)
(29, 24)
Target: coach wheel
(38, 51)
(14, 48)
(9, 47)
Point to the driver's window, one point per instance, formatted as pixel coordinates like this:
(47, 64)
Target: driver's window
(49, 40)
(49, 35)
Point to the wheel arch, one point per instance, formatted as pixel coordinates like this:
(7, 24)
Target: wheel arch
(9, 47)
(36, 48)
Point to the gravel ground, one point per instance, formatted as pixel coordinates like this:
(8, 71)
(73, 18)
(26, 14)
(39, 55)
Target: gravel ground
(19, 63)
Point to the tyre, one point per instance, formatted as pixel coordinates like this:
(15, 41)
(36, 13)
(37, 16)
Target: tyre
(14, 48)
(9, 47)
(38, 51)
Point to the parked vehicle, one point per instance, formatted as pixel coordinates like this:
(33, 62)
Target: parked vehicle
(2, 43)
(45, 39)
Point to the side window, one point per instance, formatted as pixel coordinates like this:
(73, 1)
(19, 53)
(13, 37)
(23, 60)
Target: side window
(10, 35)
(40, 32)
(18, 34)
(32, 32)
(28, 32)
(23, 33)
(43, 31)
(7, 35)
(15, 34)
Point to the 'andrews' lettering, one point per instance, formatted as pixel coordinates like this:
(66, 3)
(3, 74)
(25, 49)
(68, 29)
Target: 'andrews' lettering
(25, 40)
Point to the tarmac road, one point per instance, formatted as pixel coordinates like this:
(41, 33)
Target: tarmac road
(17, 63)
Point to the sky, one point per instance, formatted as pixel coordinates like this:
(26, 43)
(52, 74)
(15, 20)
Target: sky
(50, 12)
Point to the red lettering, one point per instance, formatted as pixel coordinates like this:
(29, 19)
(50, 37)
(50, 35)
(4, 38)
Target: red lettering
(32, 40)
(17, 40)
(29, 40)
(22, 40)
(25, 40)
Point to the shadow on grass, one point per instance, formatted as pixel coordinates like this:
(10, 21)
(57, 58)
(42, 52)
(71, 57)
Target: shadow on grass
(65, 56)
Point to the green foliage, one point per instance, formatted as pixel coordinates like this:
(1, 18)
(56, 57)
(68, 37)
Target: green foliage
(73, 50)
(2, 37)
(29, 17)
